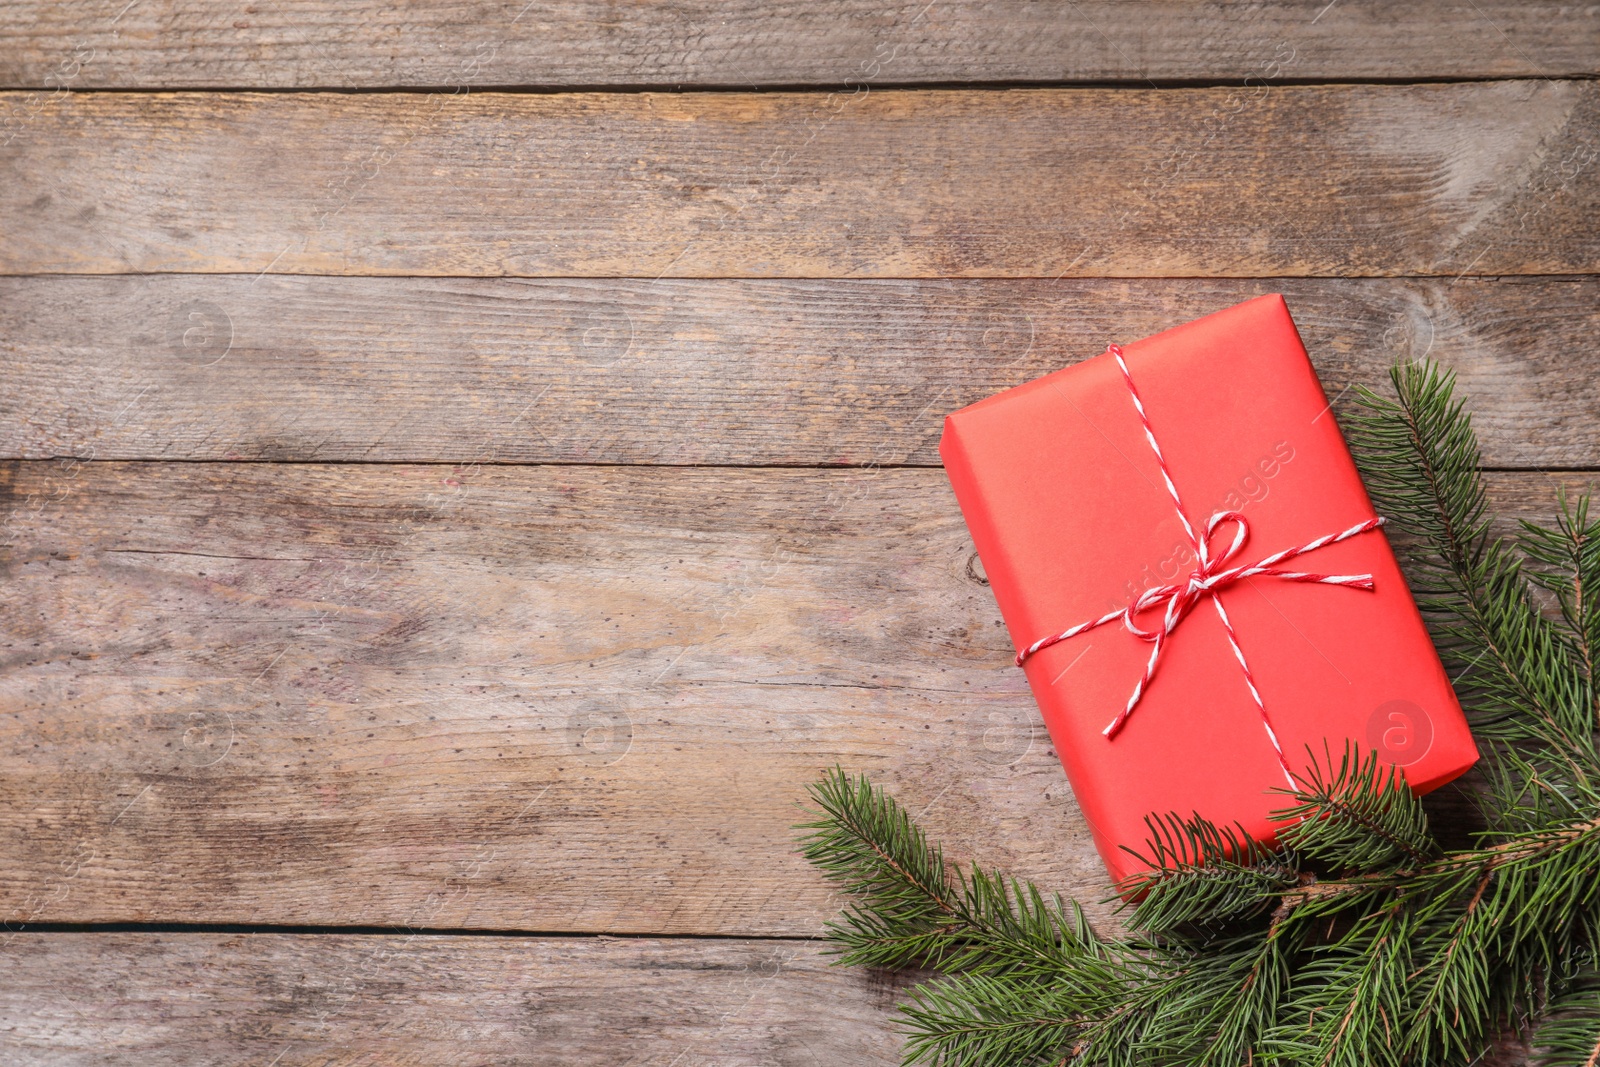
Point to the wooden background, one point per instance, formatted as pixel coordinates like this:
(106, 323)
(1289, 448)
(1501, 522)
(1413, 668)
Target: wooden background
(469, 464)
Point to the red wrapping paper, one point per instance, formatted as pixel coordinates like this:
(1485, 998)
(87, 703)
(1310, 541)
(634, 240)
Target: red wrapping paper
(1066, 506)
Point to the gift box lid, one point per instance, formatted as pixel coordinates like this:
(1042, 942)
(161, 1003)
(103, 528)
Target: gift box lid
(1068, 510)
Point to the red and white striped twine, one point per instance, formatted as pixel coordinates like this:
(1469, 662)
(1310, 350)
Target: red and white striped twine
(1210, 575)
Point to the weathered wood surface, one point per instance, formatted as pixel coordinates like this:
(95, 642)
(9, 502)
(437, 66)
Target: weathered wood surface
(682, 372)
(204, 1000)
(581, 698)
(1479, 178)
(542, 698)
(193, 44)
(547, 698)
(282, 1000)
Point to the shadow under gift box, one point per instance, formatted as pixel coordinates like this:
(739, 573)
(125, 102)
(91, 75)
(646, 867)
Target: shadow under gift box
(1067, 507)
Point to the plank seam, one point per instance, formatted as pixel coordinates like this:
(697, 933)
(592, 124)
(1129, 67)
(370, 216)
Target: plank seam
(452, 464)
(772, 279)
(848, 85)
(376, 931)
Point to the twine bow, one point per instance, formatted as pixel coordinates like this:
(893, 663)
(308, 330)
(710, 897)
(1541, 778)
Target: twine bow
(1210, 575)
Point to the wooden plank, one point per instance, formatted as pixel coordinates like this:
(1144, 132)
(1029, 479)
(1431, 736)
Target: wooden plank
(205, 999)
(193, 44)
(1481, 178)
(547, 698)
(694, 372)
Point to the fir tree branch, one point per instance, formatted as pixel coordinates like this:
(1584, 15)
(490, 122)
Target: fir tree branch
(1455, 982)
(977, 1019)
(1352, 997)
(1360, 815)
(1454, 868)
(1420, 459)
(872, 850)
(913, 909)
(1200, 872)
(1412, 978)
(1569, 566)
(1227, 998)
(1570, 1033)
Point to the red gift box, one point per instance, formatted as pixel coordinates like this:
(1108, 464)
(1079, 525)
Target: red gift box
(1071, 512)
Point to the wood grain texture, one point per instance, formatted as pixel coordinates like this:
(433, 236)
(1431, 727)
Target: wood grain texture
(1482, 178)
(542, 698)
(545, 698)
(219, 1000)
(190, 44)
(318, 369)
